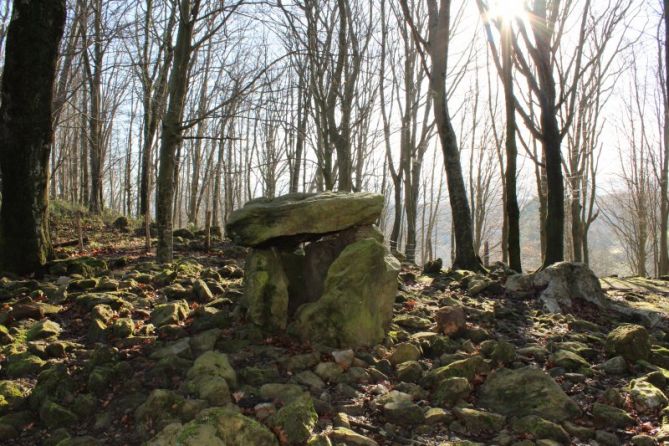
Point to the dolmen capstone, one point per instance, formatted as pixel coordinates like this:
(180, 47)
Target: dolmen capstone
(318, 266)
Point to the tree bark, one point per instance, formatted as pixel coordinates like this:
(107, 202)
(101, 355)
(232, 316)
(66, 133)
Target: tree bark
(171, 129)
(26, 132)
(465, 257)
(663, 267)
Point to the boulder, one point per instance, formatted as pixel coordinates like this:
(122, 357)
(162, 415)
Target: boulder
(629, 341)
(263, 220)
(357, 302)
(560, 284)
(526, 391)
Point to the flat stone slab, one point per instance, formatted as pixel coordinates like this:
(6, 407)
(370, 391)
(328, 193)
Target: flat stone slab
(262, 221)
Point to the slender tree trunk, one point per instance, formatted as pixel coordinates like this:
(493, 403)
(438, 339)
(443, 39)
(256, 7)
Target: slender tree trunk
(465, 257)
(171, 129)
(664, 180)
(26, 132)
(510, 175)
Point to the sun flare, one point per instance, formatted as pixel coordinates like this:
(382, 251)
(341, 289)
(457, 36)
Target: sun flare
(508, 9)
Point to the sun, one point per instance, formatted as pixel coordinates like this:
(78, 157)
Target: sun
(507, 10)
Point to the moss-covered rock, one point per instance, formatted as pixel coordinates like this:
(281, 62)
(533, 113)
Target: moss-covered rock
(541, 428)
(44, 329)
(85, 266)
(266, 290)
(646, 397)
(213, 363)
(12, 396)
(170, 313)
(410, 371)
(297, 419)
(123, 327)
(404, 352)
(161, 408)
(569, 361)
(629, 341)
(54, 415)
(23, 364)
(216, 427)
(606, 415)
(450, 390)
(466, 368)
(526, 391)
(478, 422)
(357, 301)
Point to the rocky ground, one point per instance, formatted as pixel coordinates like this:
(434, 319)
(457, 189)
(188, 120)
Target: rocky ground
(114, 349)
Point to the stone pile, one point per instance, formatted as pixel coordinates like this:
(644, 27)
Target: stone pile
(318, 266)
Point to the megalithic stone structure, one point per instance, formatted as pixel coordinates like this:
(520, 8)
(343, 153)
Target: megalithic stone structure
(318, 267)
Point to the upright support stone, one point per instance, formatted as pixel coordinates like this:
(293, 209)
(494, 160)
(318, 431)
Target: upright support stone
(357, 302)
(266, 289)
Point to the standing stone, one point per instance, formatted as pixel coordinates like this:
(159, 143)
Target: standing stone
(266, 289)
(357, 303)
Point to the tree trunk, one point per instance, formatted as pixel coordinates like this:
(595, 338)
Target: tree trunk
(26, 132)
(465, 257)
(663, 268)
(510, 175)
(171, 129)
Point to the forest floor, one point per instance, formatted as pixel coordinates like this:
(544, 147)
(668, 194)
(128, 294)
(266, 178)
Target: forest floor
(102, 349)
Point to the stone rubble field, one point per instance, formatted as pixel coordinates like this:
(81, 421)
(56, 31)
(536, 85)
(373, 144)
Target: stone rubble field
(118, 350)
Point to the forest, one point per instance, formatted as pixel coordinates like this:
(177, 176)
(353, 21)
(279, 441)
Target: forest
(334, 222)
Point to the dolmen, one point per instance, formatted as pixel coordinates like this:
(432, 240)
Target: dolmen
(318, 266)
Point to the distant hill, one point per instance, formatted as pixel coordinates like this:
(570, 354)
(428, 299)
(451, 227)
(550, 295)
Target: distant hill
(607, 256)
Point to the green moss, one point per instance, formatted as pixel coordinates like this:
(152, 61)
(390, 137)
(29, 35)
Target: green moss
(630, 341)
(356, 305)
(297, 419)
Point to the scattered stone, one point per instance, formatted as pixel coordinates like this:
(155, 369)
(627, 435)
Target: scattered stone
(629, 341)
(615, 366)
(541, 428)
(477, 422)
(450, 320)
(216, 426)
(433, 266)
(410, 371)
(347, 436)
(404, 352)
(344, 358)
(526, 391)
(328, 371)
(202, 292)
(605, 415)
(170, 313)
(646, 397)
(44, 329)
(569, 361)
(54, 415)
(284, 393)
(450, 390)
(297, 419)
(465, 368)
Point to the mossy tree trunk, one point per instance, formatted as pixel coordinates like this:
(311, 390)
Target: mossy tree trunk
(26, 132)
